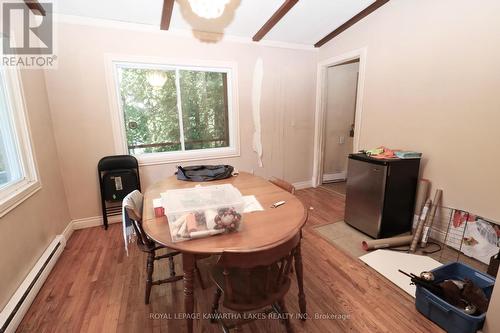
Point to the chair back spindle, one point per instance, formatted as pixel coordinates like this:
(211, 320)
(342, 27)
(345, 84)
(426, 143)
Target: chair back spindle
(256, 278)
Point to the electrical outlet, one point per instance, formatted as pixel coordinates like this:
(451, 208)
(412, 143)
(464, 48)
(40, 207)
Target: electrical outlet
(341, 140)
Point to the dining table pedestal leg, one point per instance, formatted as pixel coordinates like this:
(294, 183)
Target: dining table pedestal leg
(300, 282)
(188, 265)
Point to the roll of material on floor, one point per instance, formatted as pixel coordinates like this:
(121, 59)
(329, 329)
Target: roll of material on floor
(386, 242)
(421, 196)
(420, 227)
(430, 219)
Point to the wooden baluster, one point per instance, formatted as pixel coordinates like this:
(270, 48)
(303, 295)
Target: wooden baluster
(300, 283)
(281, 265)
(248, 289)
(229, 286)
(268, 278)
(188, 261)
(215, 304)
(288, 266)
(285, 315)
(149, 278)
(171, 266)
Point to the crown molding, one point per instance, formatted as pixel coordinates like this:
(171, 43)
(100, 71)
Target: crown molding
(111, 24)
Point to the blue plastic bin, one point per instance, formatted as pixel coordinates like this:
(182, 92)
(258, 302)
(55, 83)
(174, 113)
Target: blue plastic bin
(447, 316)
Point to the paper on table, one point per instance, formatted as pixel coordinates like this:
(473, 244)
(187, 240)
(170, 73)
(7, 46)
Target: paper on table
(251, 204)
(157, 202)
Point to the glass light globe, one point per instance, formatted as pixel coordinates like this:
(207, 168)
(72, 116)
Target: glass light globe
(209, 9)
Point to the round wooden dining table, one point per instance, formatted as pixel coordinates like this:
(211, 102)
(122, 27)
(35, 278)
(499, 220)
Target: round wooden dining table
(260, 230)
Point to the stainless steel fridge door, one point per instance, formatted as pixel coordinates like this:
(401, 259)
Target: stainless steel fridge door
(365, 196)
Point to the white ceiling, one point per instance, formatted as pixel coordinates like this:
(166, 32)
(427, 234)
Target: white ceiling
(306, 23)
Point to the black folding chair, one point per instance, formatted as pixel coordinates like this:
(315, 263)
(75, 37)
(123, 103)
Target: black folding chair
(118, 176)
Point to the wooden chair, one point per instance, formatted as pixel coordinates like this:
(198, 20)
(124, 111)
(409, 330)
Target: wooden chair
(283, 184)
(287, 187)
(253, 281)
(133, 210)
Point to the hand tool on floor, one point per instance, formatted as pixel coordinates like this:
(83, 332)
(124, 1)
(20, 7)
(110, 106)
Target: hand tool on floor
(430, 285)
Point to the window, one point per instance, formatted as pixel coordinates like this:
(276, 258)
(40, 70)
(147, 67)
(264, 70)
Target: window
(171, 113)
(10, 168)
(18, 176)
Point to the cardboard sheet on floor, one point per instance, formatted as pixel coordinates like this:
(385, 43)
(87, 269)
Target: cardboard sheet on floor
(387, 263)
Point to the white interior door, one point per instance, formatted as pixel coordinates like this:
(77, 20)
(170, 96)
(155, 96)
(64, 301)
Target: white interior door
(341, 93)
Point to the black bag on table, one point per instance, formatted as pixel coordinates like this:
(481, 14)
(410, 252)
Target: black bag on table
(204, 173)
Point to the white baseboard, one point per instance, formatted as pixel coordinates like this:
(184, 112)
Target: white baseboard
(95, 221)
(330, 177)
(67, 232)
(303, 185)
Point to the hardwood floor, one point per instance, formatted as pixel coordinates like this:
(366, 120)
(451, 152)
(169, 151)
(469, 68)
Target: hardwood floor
(95, 287)
(337, 187)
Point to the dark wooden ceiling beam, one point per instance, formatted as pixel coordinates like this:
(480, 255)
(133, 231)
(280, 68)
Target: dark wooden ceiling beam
(277, 16)
(35, 7)
(166, 15)
(355, 19)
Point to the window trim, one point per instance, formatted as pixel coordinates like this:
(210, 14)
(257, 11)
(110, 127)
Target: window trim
(13, 194)
(112, 62)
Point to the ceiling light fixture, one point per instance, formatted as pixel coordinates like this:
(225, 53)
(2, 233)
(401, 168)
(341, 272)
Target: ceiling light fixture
(156, 79)
(209, 9)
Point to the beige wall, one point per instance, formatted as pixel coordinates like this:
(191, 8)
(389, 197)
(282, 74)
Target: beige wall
(341, 89)
(82, 121)
(432, 85)
(492, 323)
(27, 230)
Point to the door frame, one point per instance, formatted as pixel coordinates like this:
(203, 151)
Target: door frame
(321, 93)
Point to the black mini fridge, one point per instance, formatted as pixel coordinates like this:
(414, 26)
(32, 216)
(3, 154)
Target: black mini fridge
(380, 194)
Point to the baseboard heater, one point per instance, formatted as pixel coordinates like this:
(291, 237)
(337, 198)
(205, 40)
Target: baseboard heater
(14, 311)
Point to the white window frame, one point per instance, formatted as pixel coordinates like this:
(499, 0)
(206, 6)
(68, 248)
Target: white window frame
(113, 62)
(14, 193)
